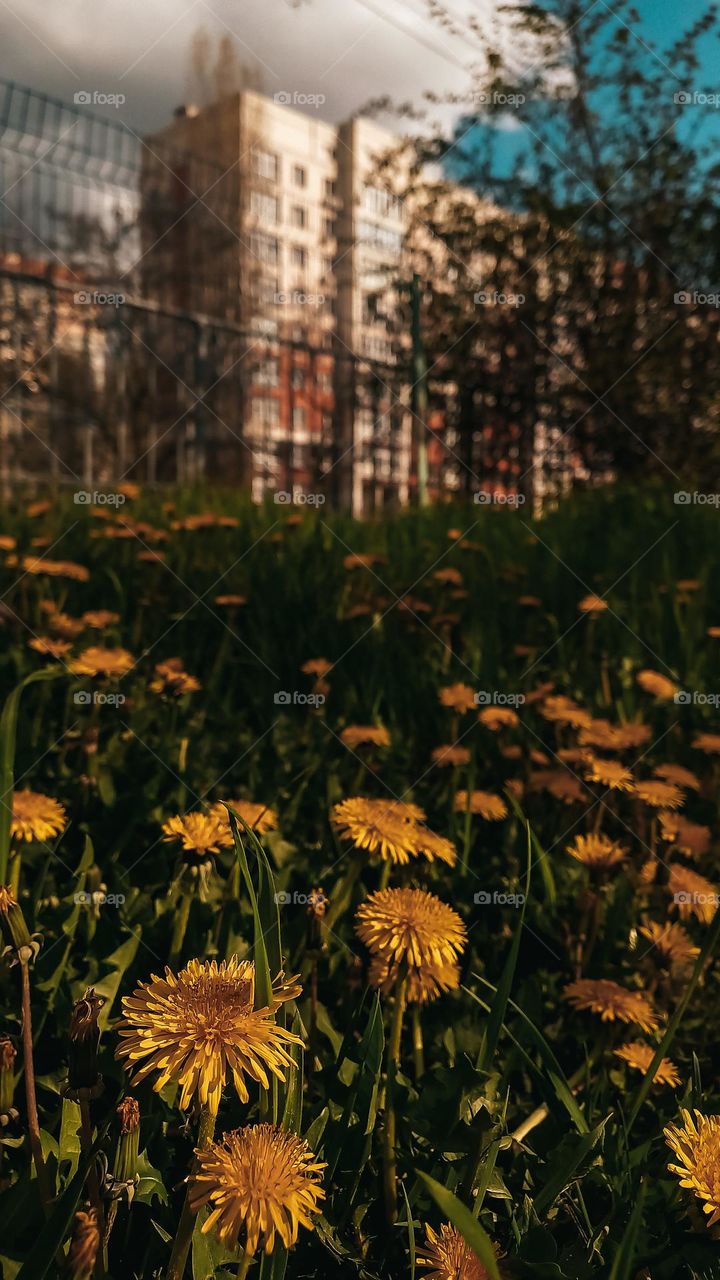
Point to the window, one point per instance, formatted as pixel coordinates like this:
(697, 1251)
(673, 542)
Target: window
(299, 175)
(265, 164)
(327, 267)
(380, 237)
(265, 411)
(298, 418)
(298, 216)
(298, 379)
(266, 291)
(328, 228)
(267, 373)
(265, 207)
(298, 256)
(329, 188)
(264, 248)
(324, 381)
(381, 202)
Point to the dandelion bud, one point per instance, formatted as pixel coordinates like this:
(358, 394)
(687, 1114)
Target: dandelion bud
(84, 1039)
(8, 1053)
(12, 923)
(126, 1155)
(84, 1245)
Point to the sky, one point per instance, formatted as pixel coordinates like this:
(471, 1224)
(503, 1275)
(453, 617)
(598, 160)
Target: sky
(345, 51)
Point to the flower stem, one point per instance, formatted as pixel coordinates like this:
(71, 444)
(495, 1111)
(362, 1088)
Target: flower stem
(393, 1065)
(92, 1178)
(418, 1050)
(244, 1265)
(183, 1239)
(182, 916)
(31, 1101)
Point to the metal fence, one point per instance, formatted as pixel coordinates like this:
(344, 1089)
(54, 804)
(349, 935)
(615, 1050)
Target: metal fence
(100, 382)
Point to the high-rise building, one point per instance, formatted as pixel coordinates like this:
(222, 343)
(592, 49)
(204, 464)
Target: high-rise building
(295, 244)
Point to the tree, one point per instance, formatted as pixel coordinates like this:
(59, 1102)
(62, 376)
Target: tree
(580, 291)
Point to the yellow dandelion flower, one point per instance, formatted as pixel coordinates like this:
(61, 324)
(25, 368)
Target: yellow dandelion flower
(50, 648)
(377, 827)
(597, 851)
(358, 735)
(99, 619)
(316, 667)
(490, 807)
(561, 784)
(458, 697)
(199, 1026)
(423, 985)
(610, 774)
(692, 894)
(658, 685)
(260, 817)
(97, 661)
(56, 568)
(447, 1257)
(434, 846)
(198, 832)
(612, 1002)
(450, 756)
(63, 625)
(639, 1056)
(707, 742)
(451, 575)
(690, 838)
(659, 795)
(696, 1146)
(405, 809)
(671, 942)
(260, 1181)
(495, 718)
(36, 817)
(678, 775)
(592, 604)
(170, 677)
(230, 601)
(412, 927)
(564, 711)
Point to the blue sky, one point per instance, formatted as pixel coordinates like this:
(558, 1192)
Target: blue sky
(662, 22)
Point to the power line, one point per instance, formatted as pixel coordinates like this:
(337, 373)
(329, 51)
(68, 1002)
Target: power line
(413, 35)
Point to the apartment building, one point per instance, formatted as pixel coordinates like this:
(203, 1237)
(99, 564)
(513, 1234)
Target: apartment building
(294, 241)
(255, 248)
(374, 420)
